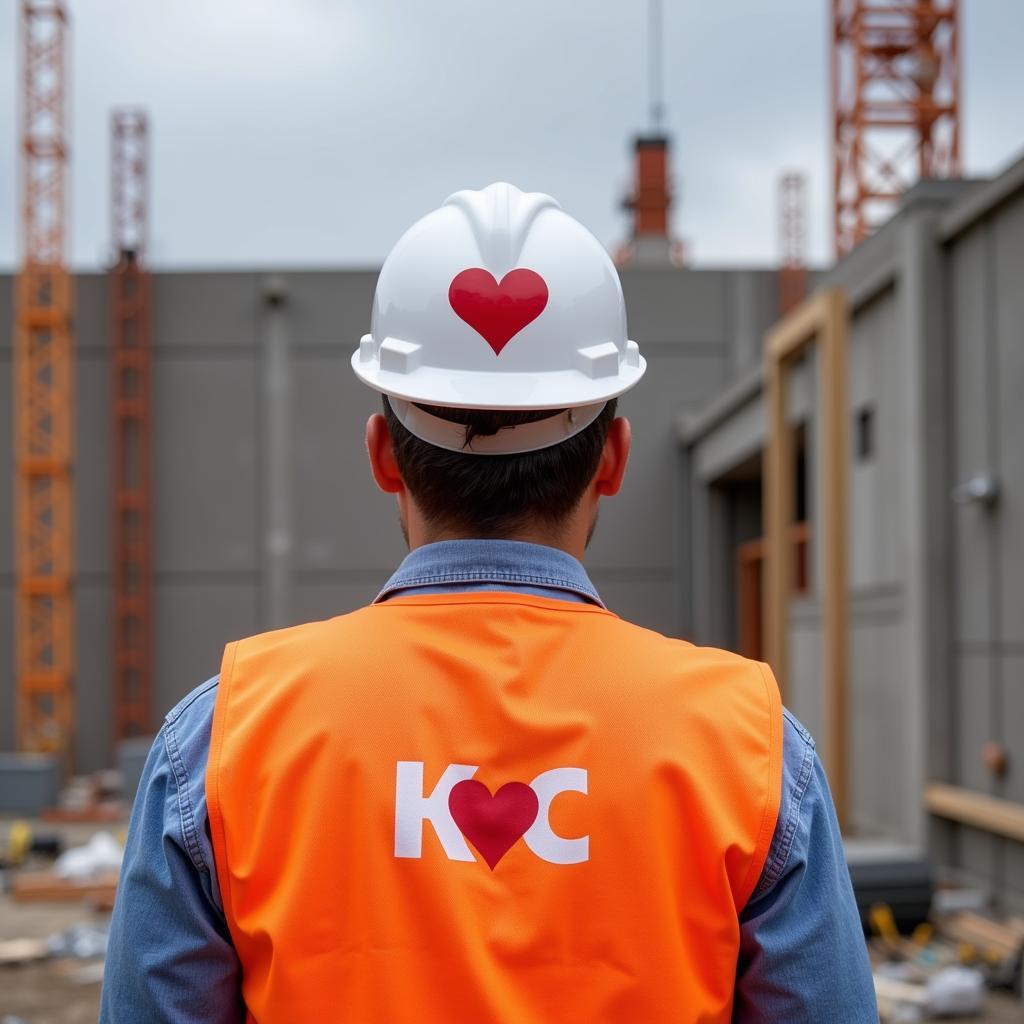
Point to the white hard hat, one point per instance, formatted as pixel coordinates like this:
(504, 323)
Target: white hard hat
(498, 300)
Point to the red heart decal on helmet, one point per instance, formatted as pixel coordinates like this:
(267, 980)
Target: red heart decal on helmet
(492, 823)
(498, 312)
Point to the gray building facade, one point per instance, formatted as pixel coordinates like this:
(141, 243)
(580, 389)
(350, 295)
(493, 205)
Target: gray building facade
(265, 512)
(935, 545)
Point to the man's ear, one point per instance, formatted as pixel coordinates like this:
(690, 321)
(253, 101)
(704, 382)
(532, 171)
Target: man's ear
(382, 456)
(612, 467)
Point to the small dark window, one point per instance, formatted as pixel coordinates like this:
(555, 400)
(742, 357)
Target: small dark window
(865, 433)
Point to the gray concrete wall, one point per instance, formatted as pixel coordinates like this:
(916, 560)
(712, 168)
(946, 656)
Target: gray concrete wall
(214, 550)
(885, 737)
(265, 512)
(985, 257)
(685, 322)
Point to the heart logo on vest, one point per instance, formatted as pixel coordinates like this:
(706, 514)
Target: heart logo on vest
(498, 311)
(493, 824)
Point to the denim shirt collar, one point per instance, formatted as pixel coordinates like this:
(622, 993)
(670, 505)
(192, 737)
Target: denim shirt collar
(513, 564)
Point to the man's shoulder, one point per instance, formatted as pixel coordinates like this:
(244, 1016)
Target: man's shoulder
(675, 673)
(197, 704)
(685, 653)
(302, 633)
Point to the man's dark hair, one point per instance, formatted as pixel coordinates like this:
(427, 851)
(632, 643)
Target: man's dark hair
(495, 495)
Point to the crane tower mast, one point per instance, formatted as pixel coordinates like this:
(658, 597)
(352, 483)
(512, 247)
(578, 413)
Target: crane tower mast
(895, 105)
(43, 396)
(131, 360)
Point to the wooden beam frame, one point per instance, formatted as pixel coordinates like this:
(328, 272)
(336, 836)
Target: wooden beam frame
(955, 803)
(820, 323)
(990, 813)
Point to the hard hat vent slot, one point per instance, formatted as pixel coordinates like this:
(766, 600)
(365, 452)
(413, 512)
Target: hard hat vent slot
(397, 356)
(598, 360)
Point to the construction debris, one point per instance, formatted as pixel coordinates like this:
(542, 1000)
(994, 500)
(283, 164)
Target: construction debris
(999, 945)
(946, 967)
(25, 844)
(89, 798)
(949, 992)
(80, 941)
(85, 874)
(102, 854)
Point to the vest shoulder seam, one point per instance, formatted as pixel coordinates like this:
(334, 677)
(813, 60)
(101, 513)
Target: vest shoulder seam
(764, 836)
(213, 804)
(778, 855)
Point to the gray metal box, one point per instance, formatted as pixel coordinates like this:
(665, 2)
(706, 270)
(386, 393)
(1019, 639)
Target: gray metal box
(28, 783)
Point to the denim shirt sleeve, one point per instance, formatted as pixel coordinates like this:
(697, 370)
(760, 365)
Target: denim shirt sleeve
(170, 957)
(802, 951)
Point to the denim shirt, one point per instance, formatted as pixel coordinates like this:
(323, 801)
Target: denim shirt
(170, 956)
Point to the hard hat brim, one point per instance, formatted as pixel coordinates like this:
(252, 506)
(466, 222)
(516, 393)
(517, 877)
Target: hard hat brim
(461, 389)
(556, 428)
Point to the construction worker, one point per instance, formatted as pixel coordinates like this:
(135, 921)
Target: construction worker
(485, 797)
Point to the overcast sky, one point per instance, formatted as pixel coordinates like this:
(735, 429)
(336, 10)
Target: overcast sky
(312, 132)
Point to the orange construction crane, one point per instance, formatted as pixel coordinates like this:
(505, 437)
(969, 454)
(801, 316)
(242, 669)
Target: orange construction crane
(131, 361)
(793, 269)
(895, 105)
(43, 395)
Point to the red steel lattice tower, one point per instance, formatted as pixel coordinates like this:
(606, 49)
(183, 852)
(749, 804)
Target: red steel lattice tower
(793, 269)
(895, 105)
(131, 362)
(43, 395)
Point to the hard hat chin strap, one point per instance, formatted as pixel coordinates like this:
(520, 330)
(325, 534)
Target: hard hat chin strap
(526, 437)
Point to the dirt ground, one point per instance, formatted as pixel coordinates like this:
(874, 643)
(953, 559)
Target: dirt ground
(67, 991)
(49, 991)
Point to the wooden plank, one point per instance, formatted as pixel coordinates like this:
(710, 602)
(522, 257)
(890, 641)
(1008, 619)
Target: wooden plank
(791, 335)
(988, 813)
(779, 482)
(821, 321)
(890, 990)
(45, 886)
(23, 951)
(1003, 940)
(94, 814)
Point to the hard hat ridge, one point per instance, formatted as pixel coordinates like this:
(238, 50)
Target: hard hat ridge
(500, 216)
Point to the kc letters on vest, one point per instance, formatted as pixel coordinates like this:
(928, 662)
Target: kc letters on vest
(459, 808)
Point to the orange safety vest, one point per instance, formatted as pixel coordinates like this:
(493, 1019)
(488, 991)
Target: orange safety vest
(489, 807)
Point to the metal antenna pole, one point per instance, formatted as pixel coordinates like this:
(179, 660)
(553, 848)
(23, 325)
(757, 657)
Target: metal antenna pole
(654, 48)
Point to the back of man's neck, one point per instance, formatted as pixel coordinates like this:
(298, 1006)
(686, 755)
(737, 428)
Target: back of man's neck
(541, 537)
